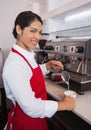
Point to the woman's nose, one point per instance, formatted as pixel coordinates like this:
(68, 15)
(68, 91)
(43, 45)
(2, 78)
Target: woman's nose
(38, 36)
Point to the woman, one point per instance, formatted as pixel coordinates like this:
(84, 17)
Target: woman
(23, 78)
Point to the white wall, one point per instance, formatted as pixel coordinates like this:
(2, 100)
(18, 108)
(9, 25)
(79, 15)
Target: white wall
(8, 12)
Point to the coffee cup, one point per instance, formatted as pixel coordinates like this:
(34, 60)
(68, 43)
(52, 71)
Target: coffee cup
(70, 93)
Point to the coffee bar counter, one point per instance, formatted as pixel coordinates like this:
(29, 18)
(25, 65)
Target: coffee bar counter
(83, 102)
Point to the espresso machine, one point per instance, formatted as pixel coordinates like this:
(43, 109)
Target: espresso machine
(75, 54)
(77, 61)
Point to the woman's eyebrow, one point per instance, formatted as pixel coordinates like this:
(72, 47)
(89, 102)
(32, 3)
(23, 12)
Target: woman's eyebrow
(35, 29)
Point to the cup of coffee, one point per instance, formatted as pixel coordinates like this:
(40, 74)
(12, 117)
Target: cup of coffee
(70, 93)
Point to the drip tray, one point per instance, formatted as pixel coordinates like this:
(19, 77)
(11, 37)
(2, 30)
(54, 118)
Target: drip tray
(80, 83)
(80, 78)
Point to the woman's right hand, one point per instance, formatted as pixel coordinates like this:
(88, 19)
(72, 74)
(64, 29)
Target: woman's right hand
(68, 103)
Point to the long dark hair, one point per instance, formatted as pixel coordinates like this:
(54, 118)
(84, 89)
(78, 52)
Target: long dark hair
(24, 19)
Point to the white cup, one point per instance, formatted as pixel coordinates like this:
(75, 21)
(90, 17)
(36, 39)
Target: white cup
(70, 93)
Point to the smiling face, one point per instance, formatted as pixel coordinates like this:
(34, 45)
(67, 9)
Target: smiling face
(29, 36)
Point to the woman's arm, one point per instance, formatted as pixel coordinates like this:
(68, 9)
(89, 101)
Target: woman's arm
(56, 65)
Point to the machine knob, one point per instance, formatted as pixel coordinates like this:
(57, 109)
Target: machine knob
(79, 49)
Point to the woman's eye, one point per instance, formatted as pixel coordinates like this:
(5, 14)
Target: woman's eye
(35, 31)
(32, 30)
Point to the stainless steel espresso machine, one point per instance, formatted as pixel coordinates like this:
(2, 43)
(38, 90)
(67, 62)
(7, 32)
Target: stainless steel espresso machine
(75, 54)
(77, 51)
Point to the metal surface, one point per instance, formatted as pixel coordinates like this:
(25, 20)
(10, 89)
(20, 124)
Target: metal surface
(75, 54)
(65, 77)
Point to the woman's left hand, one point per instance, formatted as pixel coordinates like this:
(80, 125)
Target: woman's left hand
(56, 65)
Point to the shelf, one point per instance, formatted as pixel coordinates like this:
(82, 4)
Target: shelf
(84, 31)
(74, 29)
(55, 20)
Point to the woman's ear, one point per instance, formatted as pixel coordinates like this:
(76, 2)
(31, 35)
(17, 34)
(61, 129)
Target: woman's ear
(18, 30)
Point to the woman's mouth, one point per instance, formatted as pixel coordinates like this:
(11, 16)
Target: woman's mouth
(35, 42)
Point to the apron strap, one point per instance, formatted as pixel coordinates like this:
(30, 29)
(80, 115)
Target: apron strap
(10, 118)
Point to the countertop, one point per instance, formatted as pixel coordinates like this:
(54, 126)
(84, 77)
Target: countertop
(83, 102)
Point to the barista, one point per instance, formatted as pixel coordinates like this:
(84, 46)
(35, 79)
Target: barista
(24, 81)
